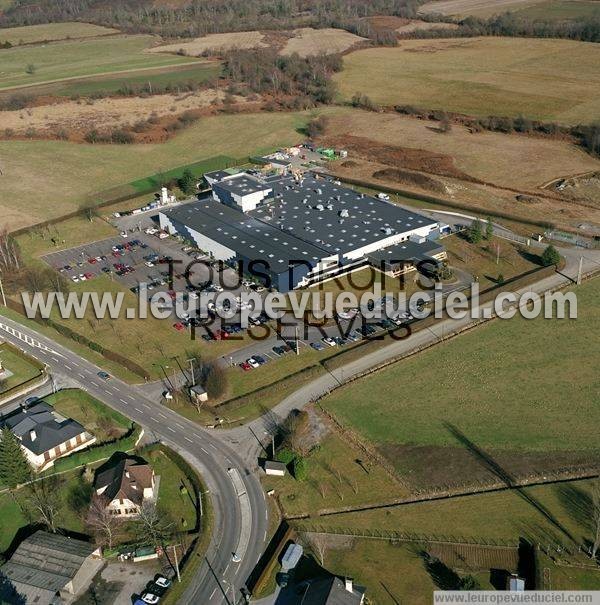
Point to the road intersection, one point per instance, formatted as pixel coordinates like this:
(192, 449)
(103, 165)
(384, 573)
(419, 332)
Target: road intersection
(227, 459)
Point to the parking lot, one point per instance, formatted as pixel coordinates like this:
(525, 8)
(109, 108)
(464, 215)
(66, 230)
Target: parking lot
(137, 255)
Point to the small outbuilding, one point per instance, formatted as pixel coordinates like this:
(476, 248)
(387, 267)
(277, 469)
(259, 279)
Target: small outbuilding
(198, 394)
(272, 467)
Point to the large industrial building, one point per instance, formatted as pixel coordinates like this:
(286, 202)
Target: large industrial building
(302, 230)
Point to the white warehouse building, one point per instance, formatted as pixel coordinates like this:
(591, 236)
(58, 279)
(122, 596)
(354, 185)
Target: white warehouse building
(297, 233)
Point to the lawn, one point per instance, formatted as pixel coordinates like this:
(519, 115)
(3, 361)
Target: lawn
(37, 64)
(335, 479)
(548, 514)
(103, 422)
(560, 10)
(553, 80)
(175, 493)
(23, 368)
(30, 34)
(29, 167)
(158, 78)
(524, 389)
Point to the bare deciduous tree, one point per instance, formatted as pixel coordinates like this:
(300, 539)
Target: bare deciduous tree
(42, 501)
(318, 544)
(103, 524)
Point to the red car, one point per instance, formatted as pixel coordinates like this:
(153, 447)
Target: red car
(245, 366)
(89, 275)
(221, 335)
(179, 326)
(92, 261)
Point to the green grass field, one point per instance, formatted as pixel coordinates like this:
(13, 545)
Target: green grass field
(71, 59)
(52, 31)
(554, 80)
(103, 422)
(39, 191)
(560, 10)
(514, 386)
(158, 78)
(505, 515)
(22, 368)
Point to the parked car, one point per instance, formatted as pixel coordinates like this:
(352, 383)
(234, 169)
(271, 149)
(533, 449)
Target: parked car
(253, 363)
(317, 346)
(104, 375)
(150, 598)
(261, 360)
(179, 326)
(329, 341)
(245, 366)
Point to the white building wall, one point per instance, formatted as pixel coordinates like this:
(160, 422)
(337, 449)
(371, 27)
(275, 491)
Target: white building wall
(217, 250)
(392, 240)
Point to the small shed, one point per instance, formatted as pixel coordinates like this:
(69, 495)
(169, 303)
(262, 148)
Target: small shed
(198, 394)
(291, 557)
(272, 467)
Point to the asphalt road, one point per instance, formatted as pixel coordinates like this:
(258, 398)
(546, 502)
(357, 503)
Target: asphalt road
(237, 498)
(240, 520)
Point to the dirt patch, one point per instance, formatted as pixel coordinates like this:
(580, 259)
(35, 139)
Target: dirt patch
(471, 7)
(418, 25)
(427, 467)
(414, 179)
(397, 156)
(308, 41)
(585, 187)
(213, 43)
(105, 113)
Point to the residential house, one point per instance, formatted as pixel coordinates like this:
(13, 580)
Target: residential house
(50, 568)
(44, 434)
(125, 483)
(333, 591)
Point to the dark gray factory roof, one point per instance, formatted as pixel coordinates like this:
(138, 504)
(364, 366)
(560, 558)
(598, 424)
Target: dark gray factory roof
(50, 428)
(242, 184)
(406, 251)
(240, 232)
(334, 217)
(47, 561)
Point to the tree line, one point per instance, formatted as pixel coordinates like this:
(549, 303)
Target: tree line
(200, 17)
(587, 135)
(264, 71)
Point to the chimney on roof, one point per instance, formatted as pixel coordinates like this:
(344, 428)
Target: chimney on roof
(32, 435)
(349, 584)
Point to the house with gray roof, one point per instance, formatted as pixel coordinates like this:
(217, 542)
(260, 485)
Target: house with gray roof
(333, 591)
(48, 568)
(44, 434)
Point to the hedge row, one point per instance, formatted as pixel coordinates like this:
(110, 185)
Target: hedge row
(84, 340)
(98, 452)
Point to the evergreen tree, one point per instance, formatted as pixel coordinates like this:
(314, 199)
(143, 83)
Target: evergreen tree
(14, 468)
(489, 229)
(187, 182)
(550, 256)
(475, 232)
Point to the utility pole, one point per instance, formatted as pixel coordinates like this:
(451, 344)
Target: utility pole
(579, 272)
(191, 362)
(497, 253)
(2, 293)
(176, 562)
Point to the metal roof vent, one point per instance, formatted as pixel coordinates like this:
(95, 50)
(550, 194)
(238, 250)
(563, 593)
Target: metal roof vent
(329, 206)
(320, 207)
(344, 213)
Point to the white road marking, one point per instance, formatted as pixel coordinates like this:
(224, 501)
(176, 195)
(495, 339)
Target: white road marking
(122, 400)
(161, 415)
(212, 594)
(188, 439)
(205, 451)
(138, 410)
(153, 419)
(171, 429)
